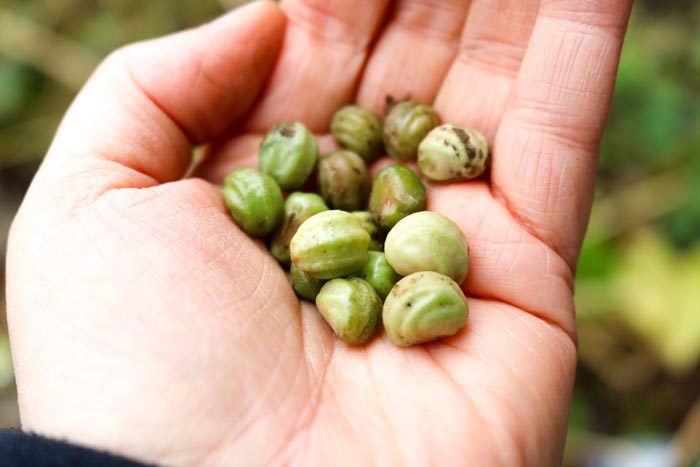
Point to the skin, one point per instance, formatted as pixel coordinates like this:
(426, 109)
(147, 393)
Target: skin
(144, 322)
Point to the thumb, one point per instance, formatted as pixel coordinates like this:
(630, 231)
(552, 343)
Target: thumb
(136, 120)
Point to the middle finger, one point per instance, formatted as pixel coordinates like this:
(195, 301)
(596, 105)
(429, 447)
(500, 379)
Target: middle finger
(480, 80)
(414, 52)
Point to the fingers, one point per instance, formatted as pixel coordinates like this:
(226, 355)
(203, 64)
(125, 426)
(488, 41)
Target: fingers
(324, 51)
(479, 82)
(414, 52)
(546, 149)
(207, 77)
(137, 118)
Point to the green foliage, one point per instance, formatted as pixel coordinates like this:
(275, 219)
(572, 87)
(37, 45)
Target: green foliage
(597, 261)
(32, 100)
(18, 85)
(658, 294)
(682, 225)
(6, 373)
(656, 109)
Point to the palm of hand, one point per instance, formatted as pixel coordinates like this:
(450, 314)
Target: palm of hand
(175, 312)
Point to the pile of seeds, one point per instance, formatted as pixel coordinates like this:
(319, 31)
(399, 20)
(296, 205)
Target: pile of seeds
(365, 250)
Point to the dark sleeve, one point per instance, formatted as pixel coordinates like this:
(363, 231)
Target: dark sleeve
(24, 449)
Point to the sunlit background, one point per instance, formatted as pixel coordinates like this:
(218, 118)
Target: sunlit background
(637, 396)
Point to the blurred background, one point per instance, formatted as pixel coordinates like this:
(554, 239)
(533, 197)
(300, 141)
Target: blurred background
(637, 396)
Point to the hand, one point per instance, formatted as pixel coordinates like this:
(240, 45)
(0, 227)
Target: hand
(144, 322)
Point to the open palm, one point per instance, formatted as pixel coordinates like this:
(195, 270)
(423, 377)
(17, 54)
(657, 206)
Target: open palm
(144, 322)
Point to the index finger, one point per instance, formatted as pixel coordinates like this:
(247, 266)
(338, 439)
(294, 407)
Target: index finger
(324, 52)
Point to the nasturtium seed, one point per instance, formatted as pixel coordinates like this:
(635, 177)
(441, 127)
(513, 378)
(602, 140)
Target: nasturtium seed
(298, 207)
(343, 180)
(330, 244)
(254, 200)
(359, 130)
(351, 308)
(428, 241)
(396, 193)
(451, 152)
(304, 285)
(377, 235)
(379, 273)
(288, 154)
(423, 307)
(405, 126)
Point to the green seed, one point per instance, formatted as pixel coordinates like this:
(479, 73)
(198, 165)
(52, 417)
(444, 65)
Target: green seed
(343, 180)
(423, 307)
(376, 234)
(405, 127)
(330, 244)
(304, 285)
(254, 200)
(288, 153)
(351, 308)
(379, 273)
(451, 152)
(396, 193)
(358, 130)
(297, 208)
(428, 241)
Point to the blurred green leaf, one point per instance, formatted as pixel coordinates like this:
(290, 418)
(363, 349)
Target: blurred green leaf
(683, 225)
(6, 372)
(597, 260)
(18, 84)
(658, 290)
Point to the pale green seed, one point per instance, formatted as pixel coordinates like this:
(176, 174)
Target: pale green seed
(451, 152)
(330, 244)
(297, 209)
(428, 241)
(423, 307)
(351, 308)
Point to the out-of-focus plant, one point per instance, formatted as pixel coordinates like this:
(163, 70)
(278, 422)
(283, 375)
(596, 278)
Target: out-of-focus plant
(638, 281)
(657, 291)
(49, 47)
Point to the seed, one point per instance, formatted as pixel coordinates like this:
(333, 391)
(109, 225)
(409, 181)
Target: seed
(297, 208)
(423, 307)
(351, 308)
(343, 180)
(379, 273)
(304, 285)
(288, 154)
(451, 152)
(428, 241)
(396, 193)
(376, 234)
(359, 130)
(405, 127)
(254, 200)
(330, 244)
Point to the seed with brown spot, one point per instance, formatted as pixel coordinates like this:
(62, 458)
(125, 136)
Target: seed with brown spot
(450, 152)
